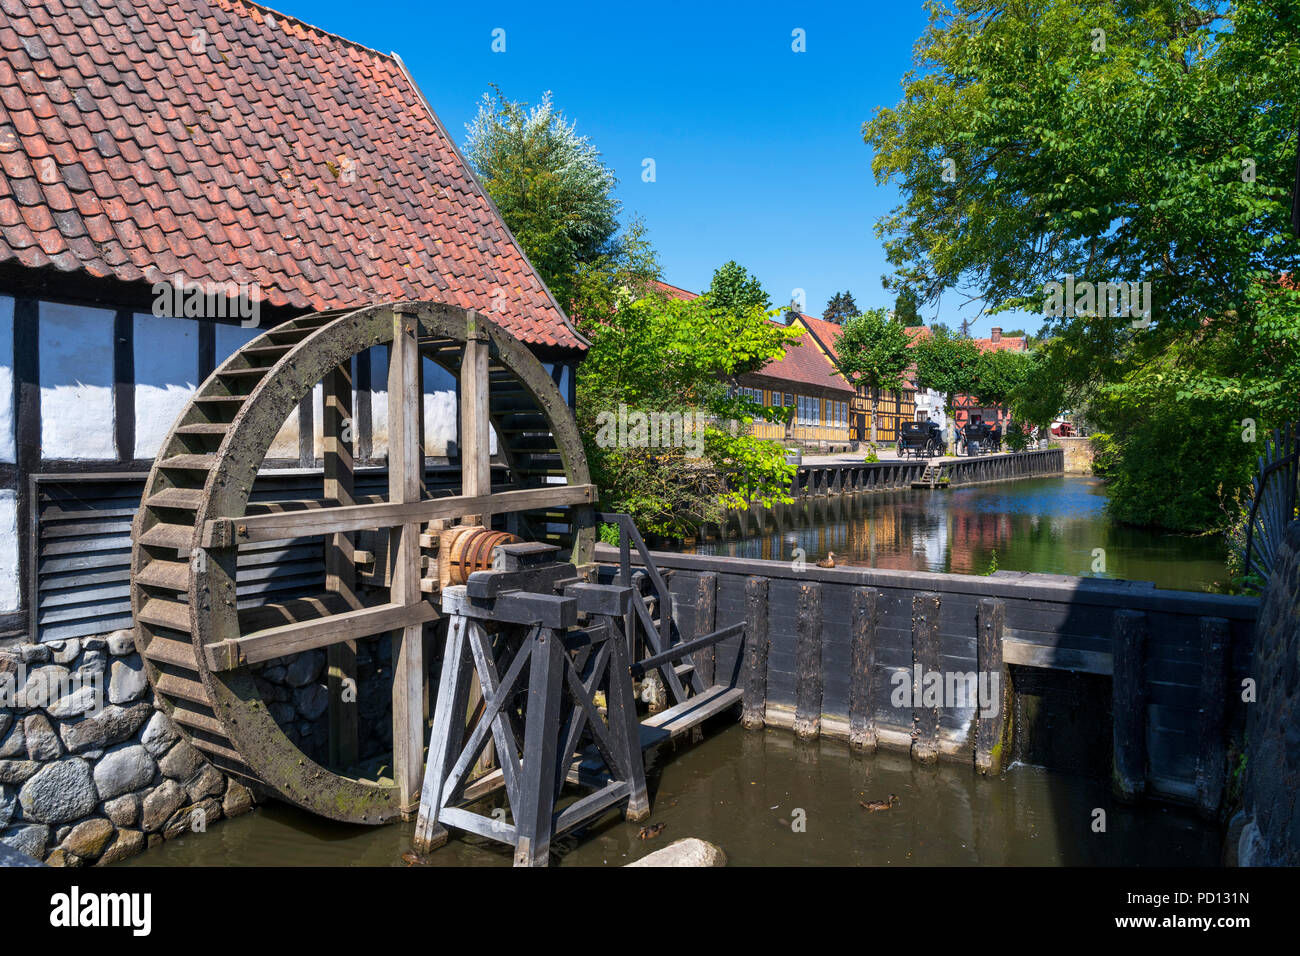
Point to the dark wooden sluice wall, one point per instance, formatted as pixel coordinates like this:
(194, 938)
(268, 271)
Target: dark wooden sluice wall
(815, 481)
(828, 641)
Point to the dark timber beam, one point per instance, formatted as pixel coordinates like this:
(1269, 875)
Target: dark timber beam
(1129, 705)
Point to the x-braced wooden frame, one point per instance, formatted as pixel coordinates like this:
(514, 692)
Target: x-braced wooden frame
(536, 749)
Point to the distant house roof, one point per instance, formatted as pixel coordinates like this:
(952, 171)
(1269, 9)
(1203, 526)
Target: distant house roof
(675, 292)
(216, 139)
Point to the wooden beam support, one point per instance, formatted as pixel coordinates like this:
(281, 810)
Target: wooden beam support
(475, 433)
(337, 430)
(1128, 705)
(706, 615)
(273, 642)
(925, 657)
(808, 662)
(1211, 769)
(405, 469)
(755, 709)
(277, 526)
(992, 731)
(862, 682)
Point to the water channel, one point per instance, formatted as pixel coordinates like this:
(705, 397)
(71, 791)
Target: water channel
(769, 799)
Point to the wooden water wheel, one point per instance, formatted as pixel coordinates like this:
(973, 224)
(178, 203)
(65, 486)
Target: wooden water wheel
(199, 643)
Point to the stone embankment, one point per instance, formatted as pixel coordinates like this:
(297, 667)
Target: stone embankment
(90, 771)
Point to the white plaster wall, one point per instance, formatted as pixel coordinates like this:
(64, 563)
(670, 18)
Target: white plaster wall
(166, 370)
(440, 411)
(230, 338)
(76, 357)
(8, 551)
(6, 378)
(379, 401)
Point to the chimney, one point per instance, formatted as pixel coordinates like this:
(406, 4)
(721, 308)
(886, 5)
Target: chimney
(996, 335)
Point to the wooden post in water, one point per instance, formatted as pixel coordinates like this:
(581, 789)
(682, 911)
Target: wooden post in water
(1129, 705)
(754, 714)
(992, 733)
(808, 662)
(1210, 762)
(862, 684)
(340, 571)
(706, 615)
(925, 654)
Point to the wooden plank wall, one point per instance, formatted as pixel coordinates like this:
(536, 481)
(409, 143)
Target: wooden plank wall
(835, 638)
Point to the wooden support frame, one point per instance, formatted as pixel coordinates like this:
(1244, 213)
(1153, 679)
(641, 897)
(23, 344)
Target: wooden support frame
(276, 526)
(405, 478)
(560, 707)
(340, 567)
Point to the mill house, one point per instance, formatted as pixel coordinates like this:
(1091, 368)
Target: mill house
(175, 178)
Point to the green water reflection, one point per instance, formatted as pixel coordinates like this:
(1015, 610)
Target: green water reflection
(1051, 525)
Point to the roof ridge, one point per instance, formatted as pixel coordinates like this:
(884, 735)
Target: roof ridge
(302, 23)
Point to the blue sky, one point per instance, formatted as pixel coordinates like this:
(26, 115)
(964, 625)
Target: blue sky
(758, 150)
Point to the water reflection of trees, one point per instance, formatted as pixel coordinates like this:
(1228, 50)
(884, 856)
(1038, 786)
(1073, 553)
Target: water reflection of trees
(1048, 525)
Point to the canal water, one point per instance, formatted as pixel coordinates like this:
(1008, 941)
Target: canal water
(1050, 525)
(769, 799)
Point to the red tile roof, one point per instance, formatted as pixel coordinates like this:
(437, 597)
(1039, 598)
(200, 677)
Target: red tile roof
(827, 333)
(219, 140)
(675, 292)
(804, 362)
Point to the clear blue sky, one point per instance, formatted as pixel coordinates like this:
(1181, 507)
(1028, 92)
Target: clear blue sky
(758, 149)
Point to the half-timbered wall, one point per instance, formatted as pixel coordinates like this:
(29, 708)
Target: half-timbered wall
(88, 392)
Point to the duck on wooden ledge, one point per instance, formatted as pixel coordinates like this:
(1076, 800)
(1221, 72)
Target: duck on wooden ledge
(875, 805)
(828, 561)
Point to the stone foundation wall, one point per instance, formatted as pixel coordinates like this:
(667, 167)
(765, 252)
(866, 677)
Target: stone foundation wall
(297, 697)
(1078, 455)
(90, 771)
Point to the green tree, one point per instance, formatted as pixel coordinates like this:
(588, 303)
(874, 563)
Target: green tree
(659, 354)
(734, 289)
(841, 307)
(1042, 393)
(874, 352)
(1015, 151)
(549, 183)
(998, 374)
(946, 363)
(905, 308)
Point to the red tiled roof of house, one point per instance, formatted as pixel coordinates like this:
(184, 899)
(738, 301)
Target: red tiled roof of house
(804, 362)
(219, 140)
(826, 332)
(1014, 344)
(675, 292)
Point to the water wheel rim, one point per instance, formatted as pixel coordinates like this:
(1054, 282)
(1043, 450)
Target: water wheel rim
(262, 752)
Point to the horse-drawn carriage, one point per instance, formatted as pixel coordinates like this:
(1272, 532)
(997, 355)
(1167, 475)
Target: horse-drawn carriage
(920, 440)
(981, 438)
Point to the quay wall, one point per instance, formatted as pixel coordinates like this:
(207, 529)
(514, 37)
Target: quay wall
(823, 647)
(841, 478)
(1078, 455)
